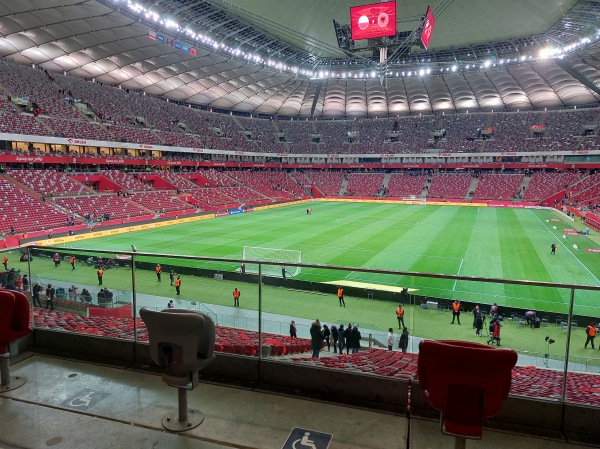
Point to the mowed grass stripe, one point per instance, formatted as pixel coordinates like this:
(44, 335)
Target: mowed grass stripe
(493, 243)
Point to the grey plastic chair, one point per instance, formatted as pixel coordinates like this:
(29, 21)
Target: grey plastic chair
(182, 342)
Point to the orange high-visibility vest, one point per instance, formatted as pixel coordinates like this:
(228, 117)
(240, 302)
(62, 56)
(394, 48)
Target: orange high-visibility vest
(72, 260)
(177, 282)
(158, 269)
(591, 330)
(236, 294)
(456, 306)
(400, 312)
(100, 272)
(340, 292)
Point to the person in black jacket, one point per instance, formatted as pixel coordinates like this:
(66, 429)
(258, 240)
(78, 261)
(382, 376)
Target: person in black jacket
(335, 335)
(50, 296)
(341, 338)
(326, 336)
(355, 338)
(347, 338)
(37, 289)
(293, 329)
(403, 343)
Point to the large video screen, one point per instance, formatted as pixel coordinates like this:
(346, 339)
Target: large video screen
(428, 26)
(373, 21)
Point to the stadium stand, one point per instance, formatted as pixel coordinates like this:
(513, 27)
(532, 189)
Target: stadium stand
(368, 184)
(327, 182)
(97, 206)
(26, 213)
(50, 182)
(129, 181)
(449, 185)
(544, 184)
(499, 187)
(406, 185)
(159, 202)
(177, 180)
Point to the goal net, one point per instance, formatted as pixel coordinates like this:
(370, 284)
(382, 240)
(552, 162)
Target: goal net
(275, 256)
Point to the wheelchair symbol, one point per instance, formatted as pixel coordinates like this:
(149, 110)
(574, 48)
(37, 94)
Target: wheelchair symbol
(304, 441)
(82, 401)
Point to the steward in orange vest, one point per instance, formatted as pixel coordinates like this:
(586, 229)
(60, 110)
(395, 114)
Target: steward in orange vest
(178, 284)
(591, 334)
(400, 316)
(456, 311)
(236, 297)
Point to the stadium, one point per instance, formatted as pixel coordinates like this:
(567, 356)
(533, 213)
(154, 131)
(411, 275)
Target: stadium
(335, 163)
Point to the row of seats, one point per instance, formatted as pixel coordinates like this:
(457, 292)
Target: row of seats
(135, 117)
(529, 381)
(231, 340)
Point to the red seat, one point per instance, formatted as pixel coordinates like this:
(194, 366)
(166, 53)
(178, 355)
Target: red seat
(14, 324)
(466, 382)
(14, 318)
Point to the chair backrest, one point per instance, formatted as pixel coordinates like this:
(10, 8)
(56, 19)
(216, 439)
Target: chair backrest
(181, 341)
(465, 381)
(14, 317)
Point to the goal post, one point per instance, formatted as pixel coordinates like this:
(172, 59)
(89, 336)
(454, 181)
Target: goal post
(270, 256)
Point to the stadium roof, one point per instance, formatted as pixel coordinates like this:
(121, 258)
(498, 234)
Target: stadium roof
(282, 57)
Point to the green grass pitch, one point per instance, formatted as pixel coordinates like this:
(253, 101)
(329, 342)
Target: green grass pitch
(472, 241)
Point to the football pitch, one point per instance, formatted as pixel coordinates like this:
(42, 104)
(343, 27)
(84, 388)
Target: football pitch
(454, 240)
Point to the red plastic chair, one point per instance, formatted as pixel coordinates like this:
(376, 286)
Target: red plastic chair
(467, 382)
(14, 324)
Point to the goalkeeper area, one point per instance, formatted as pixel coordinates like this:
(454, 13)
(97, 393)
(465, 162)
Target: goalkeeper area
(279, 257)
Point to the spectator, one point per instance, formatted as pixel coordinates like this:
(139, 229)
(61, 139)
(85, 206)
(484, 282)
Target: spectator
(403, 343)
(326, 336)
(5, 262)
(355, 338)
(335, 336)
(390, 340)
(293, 329)
(316, 336)
(50, 296)
(25, 283)
(341, 338)
(347, 338)
(37, 289)
(170, 304)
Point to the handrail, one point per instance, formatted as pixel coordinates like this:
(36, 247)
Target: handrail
(336, 267)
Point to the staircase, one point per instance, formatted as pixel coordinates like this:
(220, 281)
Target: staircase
(425, 191)
(344, 186)
(472, 187)
(386, 180)
(524, 185)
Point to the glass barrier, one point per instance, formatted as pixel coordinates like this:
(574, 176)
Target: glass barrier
(276, 318)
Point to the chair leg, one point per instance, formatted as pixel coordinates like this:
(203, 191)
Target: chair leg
(6, 382)
(188, 418)
(460, 442)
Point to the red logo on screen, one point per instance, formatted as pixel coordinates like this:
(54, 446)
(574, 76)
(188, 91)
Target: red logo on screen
(428, 26)
(373, 21)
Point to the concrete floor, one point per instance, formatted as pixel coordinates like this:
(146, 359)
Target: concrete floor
(124, 409)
